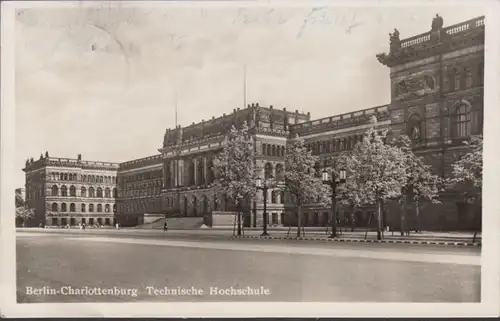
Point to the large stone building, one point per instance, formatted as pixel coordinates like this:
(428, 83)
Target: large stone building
(65, 191)
(436, 98)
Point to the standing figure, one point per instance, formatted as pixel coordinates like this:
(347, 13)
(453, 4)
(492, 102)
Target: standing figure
(165, 226)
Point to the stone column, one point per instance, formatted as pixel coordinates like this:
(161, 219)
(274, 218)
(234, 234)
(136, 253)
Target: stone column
(205, 170)
(166, 174)
(195, 171)
(171, 169)
(180, 172)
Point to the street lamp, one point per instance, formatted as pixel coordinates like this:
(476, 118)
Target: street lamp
(332, 179)
(263, 186)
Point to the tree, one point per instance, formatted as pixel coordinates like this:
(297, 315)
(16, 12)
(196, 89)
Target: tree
(19, 199)
(235, 168)
(24, 213)
(420, 185)
(302, 180)
(467, 172)
(378, 170)
(349, 192)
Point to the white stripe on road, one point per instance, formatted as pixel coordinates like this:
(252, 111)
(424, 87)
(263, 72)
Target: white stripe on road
(352, 253)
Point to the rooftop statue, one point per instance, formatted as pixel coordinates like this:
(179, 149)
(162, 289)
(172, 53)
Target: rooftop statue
(437, 23)
(394, 37)
(395, 42)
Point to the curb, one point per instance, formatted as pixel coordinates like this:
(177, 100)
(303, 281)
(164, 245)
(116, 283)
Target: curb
(359, 240)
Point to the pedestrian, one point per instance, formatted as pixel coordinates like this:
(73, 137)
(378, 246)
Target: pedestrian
(83, 225)
(117, 225)
(165, 226)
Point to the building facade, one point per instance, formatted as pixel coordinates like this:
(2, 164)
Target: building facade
(436, 99)
(66, 191)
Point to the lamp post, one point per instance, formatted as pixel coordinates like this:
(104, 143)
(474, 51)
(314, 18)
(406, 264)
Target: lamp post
(264, 187)
(332, 180)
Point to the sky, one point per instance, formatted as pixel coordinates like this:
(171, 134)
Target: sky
(101, 80)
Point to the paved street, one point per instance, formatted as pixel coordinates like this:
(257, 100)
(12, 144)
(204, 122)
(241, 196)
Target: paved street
(53, 267)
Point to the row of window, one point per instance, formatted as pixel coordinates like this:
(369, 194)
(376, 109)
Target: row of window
(462, 123)
(83, 191)
(74, 222)
(273, 150)
(141, 176)
(84, 178)
(134, 192)
(196, 173)
(83, 207)
(462, 78)
(334, 145)
(269, 171)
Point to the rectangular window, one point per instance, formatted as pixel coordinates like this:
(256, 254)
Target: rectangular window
(446, 83)
(468, 78)
(457, 81)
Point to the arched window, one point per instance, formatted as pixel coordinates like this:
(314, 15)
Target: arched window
(72, 191)
(64, 191)
(91, 192)
(99, 192)
(414, 128)
(264, 149)
(83, 192)
(273, 150)
(63, 207)
(72, 207)
(54, 207)
(115, 192)
(282, 197)
(278, 151)
(91, 208)
(282, 150)
(461, 121)
(273, 197)
(66, 176)
(268, 171)
(99, 208)
(268, 150)
(107, 192)
(101, 179)
(279, 171)
(107, 208)
(83, 207)
(114, 208)
(55, 190)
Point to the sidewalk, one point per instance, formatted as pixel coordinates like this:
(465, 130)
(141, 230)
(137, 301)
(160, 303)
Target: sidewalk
(432, 238)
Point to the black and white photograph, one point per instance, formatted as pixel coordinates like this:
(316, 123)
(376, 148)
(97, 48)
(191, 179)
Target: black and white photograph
(204, 155)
